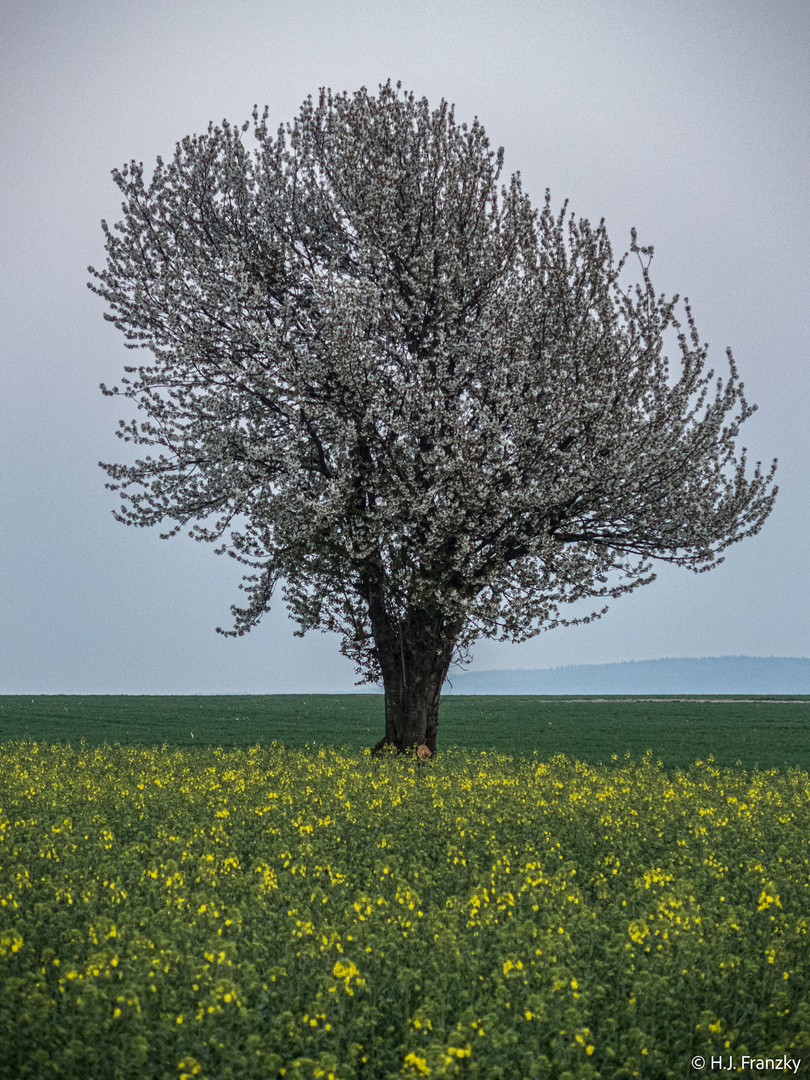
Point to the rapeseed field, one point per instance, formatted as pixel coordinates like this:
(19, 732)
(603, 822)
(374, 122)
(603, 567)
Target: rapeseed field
(263, 913)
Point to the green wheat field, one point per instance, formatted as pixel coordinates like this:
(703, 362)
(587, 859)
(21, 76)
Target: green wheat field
(770, 732)
(219, 888)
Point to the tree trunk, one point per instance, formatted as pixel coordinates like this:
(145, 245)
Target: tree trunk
(412, 708)
(414, 655)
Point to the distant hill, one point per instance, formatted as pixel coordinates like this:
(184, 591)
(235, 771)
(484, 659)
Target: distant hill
(687, 675)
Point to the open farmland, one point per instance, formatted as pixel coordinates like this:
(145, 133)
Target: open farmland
(204, 914)
(771, 733)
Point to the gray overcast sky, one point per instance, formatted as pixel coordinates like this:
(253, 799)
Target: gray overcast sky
(690, 121)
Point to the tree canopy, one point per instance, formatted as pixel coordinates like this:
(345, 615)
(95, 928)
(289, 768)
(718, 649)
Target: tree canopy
(423, 409)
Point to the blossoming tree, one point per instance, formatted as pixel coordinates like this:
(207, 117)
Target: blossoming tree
(425, 410)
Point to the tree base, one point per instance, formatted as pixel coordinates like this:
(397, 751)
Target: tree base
(386, 746)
